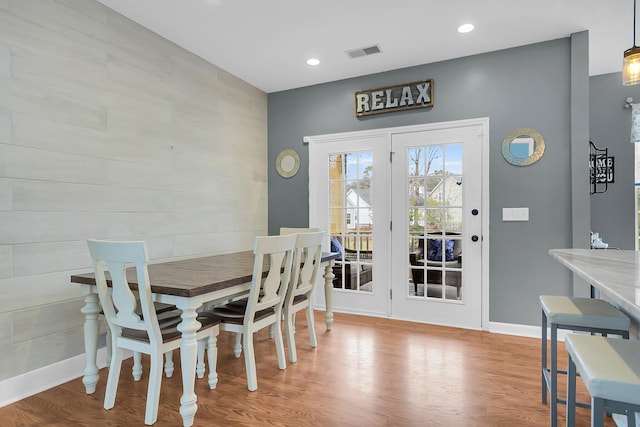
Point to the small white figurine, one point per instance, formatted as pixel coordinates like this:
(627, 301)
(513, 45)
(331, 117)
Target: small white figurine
(597, 243)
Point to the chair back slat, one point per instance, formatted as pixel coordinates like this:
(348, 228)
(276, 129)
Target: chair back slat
(120, 304)
(270, 291)
(306, 263)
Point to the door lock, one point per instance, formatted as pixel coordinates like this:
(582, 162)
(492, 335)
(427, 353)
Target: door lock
(474, 238)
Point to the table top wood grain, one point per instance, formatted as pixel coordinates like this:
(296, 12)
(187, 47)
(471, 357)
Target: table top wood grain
(196, 276)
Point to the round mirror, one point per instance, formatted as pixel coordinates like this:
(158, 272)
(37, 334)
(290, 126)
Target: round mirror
(287, 163)
(523, 147)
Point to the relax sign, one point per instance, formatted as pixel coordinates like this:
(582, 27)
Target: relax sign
(395, 98)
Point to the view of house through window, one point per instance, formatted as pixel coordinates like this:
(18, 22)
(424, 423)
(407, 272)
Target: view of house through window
(434, 184)
(351, 219)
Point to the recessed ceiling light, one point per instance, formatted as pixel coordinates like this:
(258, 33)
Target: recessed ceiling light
(313, 61)
(465, 28)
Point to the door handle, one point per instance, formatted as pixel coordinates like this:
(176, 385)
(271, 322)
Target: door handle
(474, 238)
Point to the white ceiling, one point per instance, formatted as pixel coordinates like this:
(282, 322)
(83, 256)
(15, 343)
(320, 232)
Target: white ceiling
(266, 42)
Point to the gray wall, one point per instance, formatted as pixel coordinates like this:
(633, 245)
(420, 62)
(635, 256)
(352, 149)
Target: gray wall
(109, 131)
(527, 86)
(613, 213)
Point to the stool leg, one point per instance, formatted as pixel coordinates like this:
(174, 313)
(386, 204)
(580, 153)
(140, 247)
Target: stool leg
(554, 375)
(597, 412)
(544, 357)
(571, 393)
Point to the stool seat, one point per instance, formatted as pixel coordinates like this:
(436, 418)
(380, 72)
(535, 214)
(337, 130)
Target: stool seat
(609, 367)
(583, 312)
(594, 316)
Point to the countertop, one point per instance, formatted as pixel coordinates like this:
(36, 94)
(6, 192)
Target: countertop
(616, 273)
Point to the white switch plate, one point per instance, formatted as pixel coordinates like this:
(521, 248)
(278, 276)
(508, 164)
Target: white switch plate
(515, 214)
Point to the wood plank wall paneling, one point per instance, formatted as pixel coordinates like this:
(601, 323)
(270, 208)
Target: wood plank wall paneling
(109, 131)
(6, 262)
(6, 194)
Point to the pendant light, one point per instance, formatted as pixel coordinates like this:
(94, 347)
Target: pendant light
(631, 61)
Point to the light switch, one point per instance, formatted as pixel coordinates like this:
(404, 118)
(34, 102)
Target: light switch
(515, 214)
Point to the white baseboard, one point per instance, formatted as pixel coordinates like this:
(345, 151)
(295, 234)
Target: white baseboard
(33, 382)
(524, 330)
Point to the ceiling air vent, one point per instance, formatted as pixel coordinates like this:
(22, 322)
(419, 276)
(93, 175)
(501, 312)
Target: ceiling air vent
(364, 51)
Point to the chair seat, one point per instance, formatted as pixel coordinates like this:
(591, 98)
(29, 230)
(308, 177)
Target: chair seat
(299, 298)
(237, 305)
(233, 315)
(159, 307)
(168, 322)
(583, 312)
(610, 367)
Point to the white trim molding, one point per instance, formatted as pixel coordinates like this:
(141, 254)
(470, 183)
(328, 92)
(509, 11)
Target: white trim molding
(38, 380)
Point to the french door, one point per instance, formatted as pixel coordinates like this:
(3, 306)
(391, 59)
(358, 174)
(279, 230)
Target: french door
(404, 206)
(349, 197)
(437, 228)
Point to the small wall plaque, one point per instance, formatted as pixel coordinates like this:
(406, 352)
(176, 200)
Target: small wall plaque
(287, 163)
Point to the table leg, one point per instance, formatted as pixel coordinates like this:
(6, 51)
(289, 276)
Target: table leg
(328, 294)
(91, 310)
(188, 359)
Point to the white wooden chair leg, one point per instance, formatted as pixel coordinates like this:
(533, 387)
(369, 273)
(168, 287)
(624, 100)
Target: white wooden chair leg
(108, 339)
(271, 331)
(282, 360)
(168, 364)
(237, 348)
(153, 391)
(112, 380)
(200, 363)
(293, 320)
(212, 359)
(250, 362)
(311, 323)
(291, 341)
(137, 366)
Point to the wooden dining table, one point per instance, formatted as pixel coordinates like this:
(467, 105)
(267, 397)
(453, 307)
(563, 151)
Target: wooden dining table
(187, 284)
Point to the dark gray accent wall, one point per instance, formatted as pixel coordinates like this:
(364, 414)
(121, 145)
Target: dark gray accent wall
(613, 213)
(527, 86)
(580, 212)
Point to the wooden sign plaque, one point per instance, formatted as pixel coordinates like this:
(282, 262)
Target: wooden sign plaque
(405, 96)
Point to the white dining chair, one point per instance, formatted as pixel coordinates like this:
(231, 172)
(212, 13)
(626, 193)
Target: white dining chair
(150, 333)
(164, 311)
(306, 266)
(263, 307)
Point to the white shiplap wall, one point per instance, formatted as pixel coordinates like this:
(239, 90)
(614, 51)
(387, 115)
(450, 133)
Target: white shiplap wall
(109, 131)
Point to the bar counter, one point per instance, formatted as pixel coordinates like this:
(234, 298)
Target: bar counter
(615, 273)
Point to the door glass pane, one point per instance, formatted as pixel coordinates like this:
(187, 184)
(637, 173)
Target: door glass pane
(434, 181)
(335, 194)
(351, 221)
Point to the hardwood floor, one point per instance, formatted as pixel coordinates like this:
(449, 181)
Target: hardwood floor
(366, 372)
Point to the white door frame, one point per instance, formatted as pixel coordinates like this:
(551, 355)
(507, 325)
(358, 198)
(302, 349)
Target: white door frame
(483, 122)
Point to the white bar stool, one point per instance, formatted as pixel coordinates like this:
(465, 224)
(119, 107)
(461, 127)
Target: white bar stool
(575, 314)
(610, 369)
